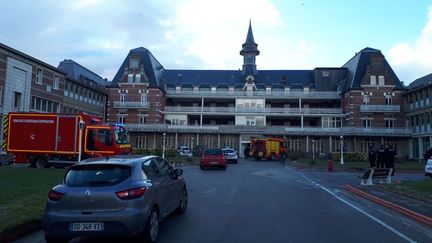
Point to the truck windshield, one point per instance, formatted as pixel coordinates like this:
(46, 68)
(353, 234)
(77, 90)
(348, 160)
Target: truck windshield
(121, 136)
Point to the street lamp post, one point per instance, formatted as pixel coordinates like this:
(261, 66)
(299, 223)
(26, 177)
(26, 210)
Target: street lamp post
(313, 149)
(81, 125)
(163, 146)
(341, 149)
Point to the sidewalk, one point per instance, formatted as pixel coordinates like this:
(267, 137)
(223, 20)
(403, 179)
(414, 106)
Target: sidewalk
(419, 210)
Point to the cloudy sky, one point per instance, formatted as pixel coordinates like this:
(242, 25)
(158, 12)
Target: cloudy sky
(200, 34)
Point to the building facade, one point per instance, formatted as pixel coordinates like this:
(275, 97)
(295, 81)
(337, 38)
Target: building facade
(326, 109)
(30, 85)
(419, 114)
(352, 107)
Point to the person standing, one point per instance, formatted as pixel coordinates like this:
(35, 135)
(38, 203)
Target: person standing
(380, 157)
(427, 155)
(372, 157)
(391, 153)
(246, 152)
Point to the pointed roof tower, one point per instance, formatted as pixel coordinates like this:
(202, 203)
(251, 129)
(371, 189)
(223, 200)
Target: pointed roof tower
(250, 46)
(249, 52)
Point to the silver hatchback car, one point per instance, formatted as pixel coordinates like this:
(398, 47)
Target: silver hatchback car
(115, 196)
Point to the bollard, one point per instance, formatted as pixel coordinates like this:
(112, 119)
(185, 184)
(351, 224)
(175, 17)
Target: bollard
(330, 165)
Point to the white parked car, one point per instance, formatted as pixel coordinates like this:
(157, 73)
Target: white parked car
(184, 150)
(428, 168)
(231, 155)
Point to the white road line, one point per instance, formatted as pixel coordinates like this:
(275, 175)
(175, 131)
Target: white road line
(363, 212)
(370, 216)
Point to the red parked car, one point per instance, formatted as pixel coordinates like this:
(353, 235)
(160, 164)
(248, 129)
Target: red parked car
(213, 158)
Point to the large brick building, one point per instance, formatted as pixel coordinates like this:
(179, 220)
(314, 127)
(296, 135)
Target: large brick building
(30, 85)
(358, 104)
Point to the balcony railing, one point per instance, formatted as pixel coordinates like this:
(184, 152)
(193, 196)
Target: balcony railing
(380, 108)
(237, 94)
(132, 105)
(236, 110)
(275, 130)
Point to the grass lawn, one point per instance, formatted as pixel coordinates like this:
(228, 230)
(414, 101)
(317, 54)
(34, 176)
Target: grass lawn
(322, 164)
(418, 189)
(23, 194)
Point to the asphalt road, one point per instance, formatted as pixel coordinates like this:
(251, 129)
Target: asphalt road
(267, 202)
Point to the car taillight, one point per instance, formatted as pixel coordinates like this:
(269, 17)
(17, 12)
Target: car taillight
(55, 195)
(131, 193)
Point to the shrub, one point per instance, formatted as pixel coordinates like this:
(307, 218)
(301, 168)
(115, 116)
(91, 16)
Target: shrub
(351, 156)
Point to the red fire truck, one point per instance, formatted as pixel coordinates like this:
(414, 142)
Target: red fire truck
(268, 148)
(42, 139)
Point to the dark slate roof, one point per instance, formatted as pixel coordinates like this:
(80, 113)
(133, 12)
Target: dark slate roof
(152, 68)
(16, 52)
(234, 78)
(421, 82)
(356, 68)
(76, 71)
(249, 45)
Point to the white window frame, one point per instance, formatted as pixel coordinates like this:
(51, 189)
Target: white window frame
(389, 123)
(122, 97)
(373, 80)
(56, 81)
(132, 63)
(366, 99)
(367, 123)
(389, 99)
(130, 78)
(143, 97)
(39, 75)
(381, 80)
(137, 78)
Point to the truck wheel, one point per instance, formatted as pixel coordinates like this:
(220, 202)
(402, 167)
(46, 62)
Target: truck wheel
(40, 162)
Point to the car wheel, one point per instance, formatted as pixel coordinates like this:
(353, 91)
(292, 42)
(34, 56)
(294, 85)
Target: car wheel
(202, 167)
(40, 162)
(183, 202)
(236, 161)
(152, 227)
(52, 239)
(224, 168)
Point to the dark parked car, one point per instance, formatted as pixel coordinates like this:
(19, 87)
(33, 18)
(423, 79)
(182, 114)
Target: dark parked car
(213, 158)
(119, 196)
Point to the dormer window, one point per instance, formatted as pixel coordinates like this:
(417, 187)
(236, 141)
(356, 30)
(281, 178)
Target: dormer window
(381, 80)
(130, 78)
(137, 78)
(373, 80)
(133, 63)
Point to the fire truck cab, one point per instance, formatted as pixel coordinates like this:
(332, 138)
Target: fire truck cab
(269, 148)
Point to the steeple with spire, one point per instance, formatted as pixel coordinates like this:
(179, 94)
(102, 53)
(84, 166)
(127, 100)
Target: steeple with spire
(249, 53)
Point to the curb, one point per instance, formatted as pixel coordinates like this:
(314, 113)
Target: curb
(400, 209)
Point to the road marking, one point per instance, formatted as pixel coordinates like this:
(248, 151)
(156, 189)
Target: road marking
(370, 216)
(363, 212)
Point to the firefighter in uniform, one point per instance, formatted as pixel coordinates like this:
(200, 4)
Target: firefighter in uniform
(381, 157)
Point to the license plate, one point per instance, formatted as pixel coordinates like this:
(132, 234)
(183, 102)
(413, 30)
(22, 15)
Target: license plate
(213, 163)
(87, 226)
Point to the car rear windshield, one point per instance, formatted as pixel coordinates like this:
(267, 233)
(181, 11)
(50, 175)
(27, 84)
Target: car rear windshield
(212, 152)
(97, 175)
(229, 151)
